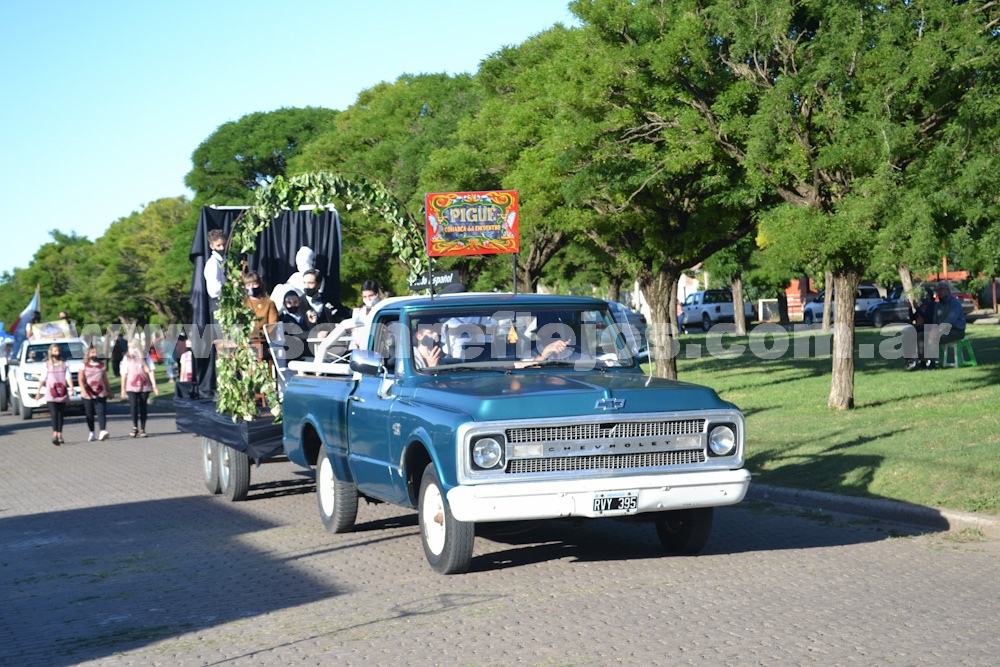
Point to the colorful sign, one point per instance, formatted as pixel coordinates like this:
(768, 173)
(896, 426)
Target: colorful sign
(472, 223)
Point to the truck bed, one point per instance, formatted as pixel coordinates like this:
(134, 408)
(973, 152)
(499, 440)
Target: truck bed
(259, 438)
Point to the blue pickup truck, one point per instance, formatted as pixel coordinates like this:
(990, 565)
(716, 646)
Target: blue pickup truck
(489, 407)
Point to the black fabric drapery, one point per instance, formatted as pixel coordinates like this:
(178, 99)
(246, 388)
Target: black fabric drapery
(274, 261)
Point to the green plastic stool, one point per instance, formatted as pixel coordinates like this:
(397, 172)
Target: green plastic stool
(961, 354)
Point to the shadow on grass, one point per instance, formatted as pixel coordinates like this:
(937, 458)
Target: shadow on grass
(830, 470)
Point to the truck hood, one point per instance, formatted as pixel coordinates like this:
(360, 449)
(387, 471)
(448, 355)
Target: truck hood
(544, 395)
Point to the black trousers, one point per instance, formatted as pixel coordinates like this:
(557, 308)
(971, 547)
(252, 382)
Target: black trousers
(98, 405)
(137, 405)
(56, 412)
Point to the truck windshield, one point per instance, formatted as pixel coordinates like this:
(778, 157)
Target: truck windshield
(40, 351)
(578, 338)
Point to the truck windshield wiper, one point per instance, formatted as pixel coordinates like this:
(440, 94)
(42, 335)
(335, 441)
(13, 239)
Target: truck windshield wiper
(465, 368)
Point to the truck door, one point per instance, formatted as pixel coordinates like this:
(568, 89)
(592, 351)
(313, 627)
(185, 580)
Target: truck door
(368, 416)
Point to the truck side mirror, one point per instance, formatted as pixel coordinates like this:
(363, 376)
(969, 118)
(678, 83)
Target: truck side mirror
(366, 362)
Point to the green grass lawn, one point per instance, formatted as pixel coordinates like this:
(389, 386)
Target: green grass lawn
(925, 437)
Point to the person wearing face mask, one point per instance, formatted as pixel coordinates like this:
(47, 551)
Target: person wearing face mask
(369, 298)
(264, 310)
(295, 323)
(329, 313)
(137, 382)
(213, 268)
(95, 389)
(55, 382)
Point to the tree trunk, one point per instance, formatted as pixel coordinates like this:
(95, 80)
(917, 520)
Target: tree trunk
(845, 282)
(828, 301)
(661, 295)
(614, 290)
(783, 308)
(530, 264)
(739, 315)
(906, 278)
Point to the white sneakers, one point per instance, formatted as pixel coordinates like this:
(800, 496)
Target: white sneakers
(102, 436)
(91, 438)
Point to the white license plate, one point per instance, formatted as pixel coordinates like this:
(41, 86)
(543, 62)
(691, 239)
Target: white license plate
(621, 502)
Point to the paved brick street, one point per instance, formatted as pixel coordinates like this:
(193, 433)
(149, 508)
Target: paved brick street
(112, 553)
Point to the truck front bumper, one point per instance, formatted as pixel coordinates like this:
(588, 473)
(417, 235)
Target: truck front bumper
(553, 499)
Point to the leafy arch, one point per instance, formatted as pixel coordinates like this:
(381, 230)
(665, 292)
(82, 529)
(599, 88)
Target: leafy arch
(241, 376)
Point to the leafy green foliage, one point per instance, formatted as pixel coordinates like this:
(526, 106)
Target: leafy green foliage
(243, 155)
(387, 135)
(241, 377)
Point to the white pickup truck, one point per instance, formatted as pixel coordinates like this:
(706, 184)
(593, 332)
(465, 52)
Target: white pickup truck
(25, 370)
(867, 295)
(709, 307)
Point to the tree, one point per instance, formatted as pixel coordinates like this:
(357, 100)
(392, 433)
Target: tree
(60, 268)
(729, 265)
(831, 106)
(517, 140)
(666, 196)
(387, 135)
(137, 277)
(240, 156)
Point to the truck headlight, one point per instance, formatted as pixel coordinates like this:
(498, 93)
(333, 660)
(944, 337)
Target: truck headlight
(32, 377)
(487, 452)
(722, 440)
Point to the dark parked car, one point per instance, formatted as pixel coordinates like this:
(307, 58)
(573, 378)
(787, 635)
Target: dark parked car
(893, 308)
(896, 307)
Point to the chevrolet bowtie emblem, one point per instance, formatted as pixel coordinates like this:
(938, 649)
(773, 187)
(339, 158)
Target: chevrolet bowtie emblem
(610, 404)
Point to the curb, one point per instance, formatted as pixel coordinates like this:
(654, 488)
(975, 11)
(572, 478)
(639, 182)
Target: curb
(931, 518)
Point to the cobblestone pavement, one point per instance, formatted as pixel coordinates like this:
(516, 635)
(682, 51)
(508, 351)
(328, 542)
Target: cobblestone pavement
(112, 553)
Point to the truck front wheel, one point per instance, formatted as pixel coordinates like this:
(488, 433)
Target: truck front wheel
(4, 396)
(447, 541)
(706, 322)
(684, 532)
(337, 500)
(234, 473)
(26, 412)
(210, 464)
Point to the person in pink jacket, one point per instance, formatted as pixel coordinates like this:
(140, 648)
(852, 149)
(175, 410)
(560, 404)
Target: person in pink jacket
(95, 389)
(137, 381)
(56, 384)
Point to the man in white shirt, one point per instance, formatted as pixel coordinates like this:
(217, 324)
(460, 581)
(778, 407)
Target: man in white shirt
(213, 268)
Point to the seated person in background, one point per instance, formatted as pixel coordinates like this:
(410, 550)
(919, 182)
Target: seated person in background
(934, 323)
(295, 324)
(305, 259)
(949, 319)
(265, 312)
(329, 313)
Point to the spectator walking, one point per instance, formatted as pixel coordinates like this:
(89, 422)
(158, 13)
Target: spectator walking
(55, 384)
(95, 389)
(185, 360)
(118, 351)
(137, 382)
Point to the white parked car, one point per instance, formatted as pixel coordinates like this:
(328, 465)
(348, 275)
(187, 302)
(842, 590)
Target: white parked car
(25, 370)
(709, 307)
(867, 295)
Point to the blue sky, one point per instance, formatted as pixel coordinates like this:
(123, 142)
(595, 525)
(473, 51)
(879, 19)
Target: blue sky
(104, 102)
